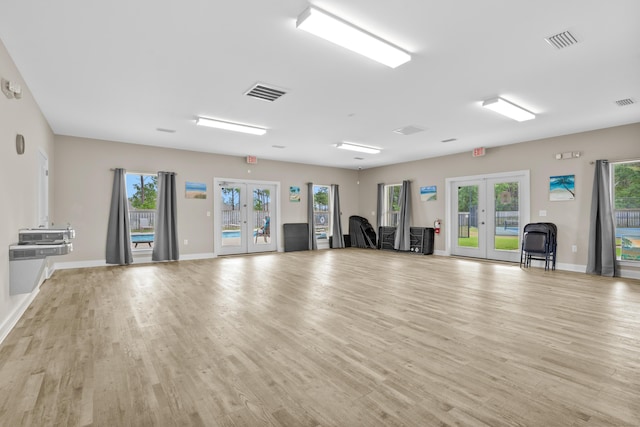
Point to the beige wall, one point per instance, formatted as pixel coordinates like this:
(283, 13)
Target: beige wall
(571, 217)
(84, 180)
(19, 185)
(80, 183)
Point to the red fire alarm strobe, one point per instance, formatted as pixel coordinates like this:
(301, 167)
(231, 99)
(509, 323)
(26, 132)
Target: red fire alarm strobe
(477, 152)
(252, 160)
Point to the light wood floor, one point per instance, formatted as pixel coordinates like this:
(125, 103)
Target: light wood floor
(349, 337)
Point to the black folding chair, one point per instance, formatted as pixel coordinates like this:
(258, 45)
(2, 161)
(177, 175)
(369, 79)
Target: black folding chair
(539, 243)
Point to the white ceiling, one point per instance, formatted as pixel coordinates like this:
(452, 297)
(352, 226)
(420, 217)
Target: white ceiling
(118, 70)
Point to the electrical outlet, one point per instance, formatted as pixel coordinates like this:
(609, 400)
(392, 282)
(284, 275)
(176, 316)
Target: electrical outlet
(574, 248)
(542, 213)
(186, 242)
(208, 213)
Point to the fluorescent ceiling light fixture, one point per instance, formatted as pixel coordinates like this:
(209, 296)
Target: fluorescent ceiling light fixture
(508, 109)
(236, 127)
(357, 147)
(342, 33)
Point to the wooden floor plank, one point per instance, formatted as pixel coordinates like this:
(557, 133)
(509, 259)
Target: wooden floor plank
(347, 337)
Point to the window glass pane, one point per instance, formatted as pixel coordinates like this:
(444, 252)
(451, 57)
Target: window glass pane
(321, 211)
(392, 205)
(507, 213)
(625, 179)
(468, 216)
(142, 194)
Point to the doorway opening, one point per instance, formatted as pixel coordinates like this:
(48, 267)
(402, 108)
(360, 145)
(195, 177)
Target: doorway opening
(246, 216)
(486, 215)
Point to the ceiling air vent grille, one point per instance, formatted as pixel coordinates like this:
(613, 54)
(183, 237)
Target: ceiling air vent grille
(623, 102)
(408, 130)
(264, 92)
(562, 40)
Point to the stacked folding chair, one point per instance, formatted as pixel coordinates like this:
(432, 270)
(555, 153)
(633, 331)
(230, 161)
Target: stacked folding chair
(539, 242)
(362, 233)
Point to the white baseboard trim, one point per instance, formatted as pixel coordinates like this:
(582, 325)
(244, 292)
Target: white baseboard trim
(205, 255)
(571, 267)
(629, 273)
(10, 322)
(79, 264)
(136, 260)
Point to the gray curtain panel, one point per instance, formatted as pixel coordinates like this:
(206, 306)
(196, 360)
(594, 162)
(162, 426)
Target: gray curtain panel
(379, 206)
(165, 246)
(118, 237)
(602, 238)
(336, 223)
(403, 238)
(310, 218)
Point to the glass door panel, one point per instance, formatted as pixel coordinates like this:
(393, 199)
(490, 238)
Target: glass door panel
(262, 210)
(468, 216)
(507, 216)
(232, 227)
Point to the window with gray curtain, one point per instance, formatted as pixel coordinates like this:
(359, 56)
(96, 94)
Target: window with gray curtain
(165, 247)
(336, 223)
(118, 238)
(602, 239)
(625, 195)
(310, 218)
(403, 238)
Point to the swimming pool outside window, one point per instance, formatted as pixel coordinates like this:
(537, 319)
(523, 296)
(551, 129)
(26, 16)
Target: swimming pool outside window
(142, 193)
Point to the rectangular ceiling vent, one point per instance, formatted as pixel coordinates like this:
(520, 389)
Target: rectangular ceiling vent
(408, 130)
(562, 40)
(624, 102)
(265, 93)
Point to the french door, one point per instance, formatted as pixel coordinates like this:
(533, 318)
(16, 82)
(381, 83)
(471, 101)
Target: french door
(246, 214)
(487, 214)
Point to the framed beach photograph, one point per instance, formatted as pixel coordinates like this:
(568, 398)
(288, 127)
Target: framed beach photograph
(294, 194)
(562, 187)
(195, 190)
(428, 194)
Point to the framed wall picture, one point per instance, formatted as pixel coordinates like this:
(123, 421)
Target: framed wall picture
(195, 190)
(428, 194)
(562, 187)
(294, 194)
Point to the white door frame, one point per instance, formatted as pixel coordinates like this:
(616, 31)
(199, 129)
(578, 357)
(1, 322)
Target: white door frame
(217, 220)
(524, 192)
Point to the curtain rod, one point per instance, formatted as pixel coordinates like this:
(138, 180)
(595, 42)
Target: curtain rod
(142, 173)
(617, 161)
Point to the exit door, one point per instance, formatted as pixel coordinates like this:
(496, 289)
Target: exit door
(245, 216)
(487, 215)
